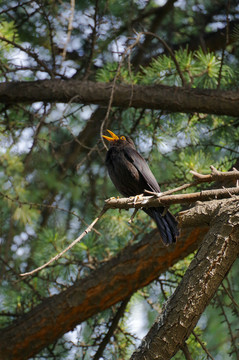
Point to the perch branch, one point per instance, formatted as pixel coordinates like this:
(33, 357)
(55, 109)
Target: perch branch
(164, 200)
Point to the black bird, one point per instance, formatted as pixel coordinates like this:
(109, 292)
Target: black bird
(131, 176)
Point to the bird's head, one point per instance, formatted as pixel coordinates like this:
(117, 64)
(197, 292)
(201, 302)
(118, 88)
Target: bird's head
(116, 140)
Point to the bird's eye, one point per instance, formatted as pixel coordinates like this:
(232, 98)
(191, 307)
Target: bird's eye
(122, 138)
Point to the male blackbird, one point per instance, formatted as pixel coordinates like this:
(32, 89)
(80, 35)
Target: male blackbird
(131, 176)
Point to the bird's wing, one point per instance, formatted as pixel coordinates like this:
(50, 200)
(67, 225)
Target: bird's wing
(141, 165)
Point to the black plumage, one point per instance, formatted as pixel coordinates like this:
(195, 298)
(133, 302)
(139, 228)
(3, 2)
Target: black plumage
(131, 176)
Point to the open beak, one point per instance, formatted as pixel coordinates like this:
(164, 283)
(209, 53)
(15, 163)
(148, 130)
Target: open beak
(113, 138)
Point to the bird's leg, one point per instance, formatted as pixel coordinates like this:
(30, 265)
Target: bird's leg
(132, 216)
(165, 211)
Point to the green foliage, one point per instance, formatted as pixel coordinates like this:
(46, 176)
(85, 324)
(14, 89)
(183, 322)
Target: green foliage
(53, 180)
(199, 69)
(8, 31)
(113, 70)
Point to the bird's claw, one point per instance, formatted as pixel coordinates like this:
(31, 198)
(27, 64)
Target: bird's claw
(137, 197)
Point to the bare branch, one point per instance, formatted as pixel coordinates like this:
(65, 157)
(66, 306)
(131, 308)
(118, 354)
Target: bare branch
(184, 82)
(202, 345)
(69, 30)
(30, 53)
(216, 175)
(154, 201)
(200, 178)
(89, 228)
(174, 99)
(186, 352)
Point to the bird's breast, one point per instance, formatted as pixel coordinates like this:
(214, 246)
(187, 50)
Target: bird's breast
(122, 172)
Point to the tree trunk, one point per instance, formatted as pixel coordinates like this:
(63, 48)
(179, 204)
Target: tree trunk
(214, 259)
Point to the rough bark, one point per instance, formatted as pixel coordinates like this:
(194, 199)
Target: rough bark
(214, 259)
(162, 97)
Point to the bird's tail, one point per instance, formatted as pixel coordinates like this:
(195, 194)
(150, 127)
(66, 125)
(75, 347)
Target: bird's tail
(167, 224)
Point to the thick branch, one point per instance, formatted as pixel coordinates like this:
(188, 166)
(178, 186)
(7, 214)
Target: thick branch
(163, 97)
(214, 259)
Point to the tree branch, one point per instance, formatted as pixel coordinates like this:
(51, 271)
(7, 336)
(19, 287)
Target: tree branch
(163, 97)
(216, 175)
(85, 232)
(154, 201)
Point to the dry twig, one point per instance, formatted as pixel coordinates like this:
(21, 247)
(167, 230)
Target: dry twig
(163, 200)
(69, 30)
(89, 228)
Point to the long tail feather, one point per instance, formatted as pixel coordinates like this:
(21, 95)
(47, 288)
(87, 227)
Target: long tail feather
(167, 224)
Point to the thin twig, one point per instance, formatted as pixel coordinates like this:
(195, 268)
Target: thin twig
(202, 345)
(69, 30)
(89, 228)
(184, 83)
(200, 178)
(171, 191)
(30, 53)
(44, 206)
(129, 48)
(233, 343)
(225, 45)
(119, 314)
(230, 296)
(93, 40)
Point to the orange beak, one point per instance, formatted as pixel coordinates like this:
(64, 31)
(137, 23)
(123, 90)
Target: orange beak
(113, 138)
